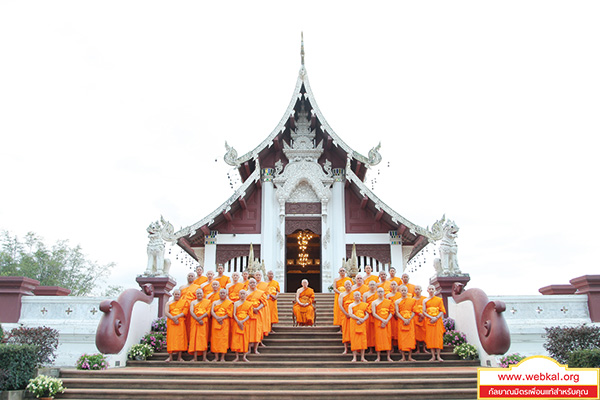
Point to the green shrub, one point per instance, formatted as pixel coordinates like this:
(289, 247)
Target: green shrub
(92, 361)
(19, 363)
(562, 341)
(585, 359)
(454, 338)
(45, 338)
(156, 340)
(466, 351)
(511, 359)
(1, 334)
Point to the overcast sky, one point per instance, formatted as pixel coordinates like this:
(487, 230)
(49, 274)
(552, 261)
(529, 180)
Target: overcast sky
(113, 113)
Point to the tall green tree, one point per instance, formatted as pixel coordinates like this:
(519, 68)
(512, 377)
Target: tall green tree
(60, 265)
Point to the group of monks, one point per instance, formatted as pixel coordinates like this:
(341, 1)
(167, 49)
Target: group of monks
(377, 312)
(220, 313)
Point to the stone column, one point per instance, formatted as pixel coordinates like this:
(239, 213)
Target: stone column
(337, 224)
(210, 251)
(162, 287)
(270, 243)
(590, 285)
(397, 256)
(12, 289)
(444, 285)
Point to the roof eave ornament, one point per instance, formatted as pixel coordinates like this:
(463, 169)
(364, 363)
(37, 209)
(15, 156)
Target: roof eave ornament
(374, 156)
(302, 68)
(231, 156)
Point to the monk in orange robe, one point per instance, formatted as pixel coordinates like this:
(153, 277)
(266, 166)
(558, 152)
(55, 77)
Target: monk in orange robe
(240, 340)
(359, 315)
(233, 288)
(419, 320)
(393, 277)
(360, 284)
(199, 311)
(258, 299)
(338, 287)
(345, 299)
(384, 282)
(409, 286)
(369, 297)
(221, 312)
(188, 292)
(265, 313)
(200, 279)
(304, 309)
(223, 279)
(434, 310)
(368, 276)
(245, 279)
(273, 291)
(394, 295)
(404, 309)
(213, 295)
(382, 310)
(175, 311)
(207, 285)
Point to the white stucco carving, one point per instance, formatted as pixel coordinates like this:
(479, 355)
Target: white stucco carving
(447, 264)
(158, 233)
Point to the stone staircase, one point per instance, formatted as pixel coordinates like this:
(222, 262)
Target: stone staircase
(296, 362)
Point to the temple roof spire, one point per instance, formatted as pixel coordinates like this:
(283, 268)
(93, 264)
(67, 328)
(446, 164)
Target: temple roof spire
(302, 48)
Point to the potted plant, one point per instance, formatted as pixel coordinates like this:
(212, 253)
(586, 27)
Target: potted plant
(92, 362)
(140, 352)
(45, 387)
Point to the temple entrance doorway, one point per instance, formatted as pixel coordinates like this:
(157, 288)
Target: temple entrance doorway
(303, 260)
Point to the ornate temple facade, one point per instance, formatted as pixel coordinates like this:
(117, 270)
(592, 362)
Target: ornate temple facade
(303, 205)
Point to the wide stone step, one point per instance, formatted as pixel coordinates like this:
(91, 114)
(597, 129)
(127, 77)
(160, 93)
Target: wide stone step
(257, 384)
(176, 394)
(303, 364)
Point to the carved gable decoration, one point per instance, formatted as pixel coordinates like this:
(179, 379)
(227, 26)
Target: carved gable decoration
(303, 193)
(303, 208)
(292, 224)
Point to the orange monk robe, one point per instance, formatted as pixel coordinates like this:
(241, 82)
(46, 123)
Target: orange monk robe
(245, 287)
(240, 339)
(397, 280)
(410, 287)
(200, 280)
(305, 315)
(394, 321)
(347, 299)
(406, 333)
(419, 325)
(207, 287)
(199, 333)
(265, 312)
(358, 333)
(176, 333)
(434, 333)
(383, 336)
(219, 335)
(371, 322)
(189, 294)
(273, 289)
(363, 289)
(387, 286)
(255, 326)
(370, 278)
(234, 291)
(223, 281)
(337, 313)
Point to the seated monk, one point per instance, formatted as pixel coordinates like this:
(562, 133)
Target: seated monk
(345, 299)
(223, 279)
(240, 340)
(434, 310)
(404, 309)
(221, 312)
(338, 287)
(273, 290)
(233, 288)
(359, 315)
(175, 311)
(304, 309)
(199, 311)
(382, 310)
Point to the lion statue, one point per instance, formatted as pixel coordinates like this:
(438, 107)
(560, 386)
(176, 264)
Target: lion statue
(448, 263)
(158, 233)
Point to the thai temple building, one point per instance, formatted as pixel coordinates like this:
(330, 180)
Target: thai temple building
(302, 206)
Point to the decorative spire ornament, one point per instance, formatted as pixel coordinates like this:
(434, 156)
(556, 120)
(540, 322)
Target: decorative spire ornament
(302, 48)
